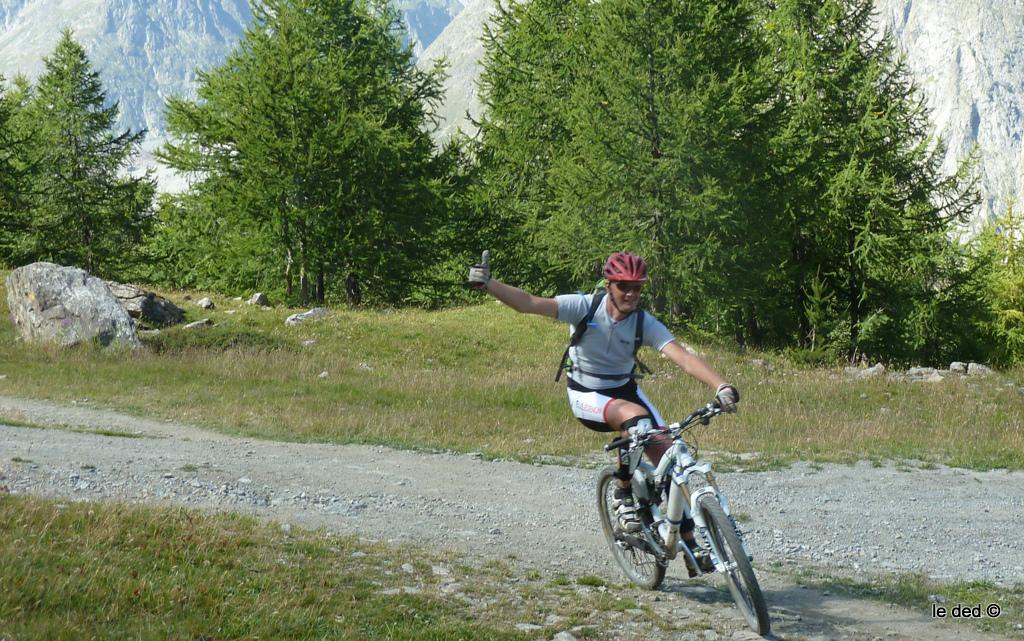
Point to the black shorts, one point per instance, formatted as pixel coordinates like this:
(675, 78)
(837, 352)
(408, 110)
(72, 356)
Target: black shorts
(628, 392)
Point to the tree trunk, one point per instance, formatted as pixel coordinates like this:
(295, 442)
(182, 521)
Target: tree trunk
(303, 267)
(288, 274)
(320, 284)
(806, 337)
(853, 297)
(352, 289)
(287, 238)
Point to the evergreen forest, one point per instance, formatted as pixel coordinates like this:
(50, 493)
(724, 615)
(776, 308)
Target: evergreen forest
(772, 160)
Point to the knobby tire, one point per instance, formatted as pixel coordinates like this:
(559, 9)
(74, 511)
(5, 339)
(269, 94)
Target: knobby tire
(640, 567)
(741, 579)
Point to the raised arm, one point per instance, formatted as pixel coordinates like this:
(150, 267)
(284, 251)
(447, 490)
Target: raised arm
(517, 299)
(522, 301)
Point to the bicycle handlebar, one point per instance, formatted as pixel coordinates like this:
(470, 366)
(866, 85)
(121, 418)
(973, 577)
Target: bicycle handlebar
(703, 415)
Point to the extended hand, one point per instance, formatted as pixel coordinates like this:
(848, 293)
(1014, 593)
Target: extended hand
(480, 274)
(727, 397)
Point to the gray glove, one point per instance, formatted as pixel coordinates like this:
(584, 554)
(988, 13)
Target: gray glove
(480, 274)
(727, 397)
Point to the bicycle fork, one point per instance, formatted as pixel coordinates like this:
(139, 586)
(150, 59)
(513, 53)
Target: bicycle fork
(681, 503)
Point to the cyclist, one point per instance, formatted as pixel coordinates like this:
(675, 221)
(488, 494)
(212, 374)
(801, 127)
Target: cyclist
(602, 388)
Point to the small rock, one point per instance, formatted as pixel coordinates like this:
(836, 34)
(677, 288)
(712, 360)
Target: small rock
(440, 570)
(286, 528)
(763, 364)
(863, 373)
(316, 312)
(323, 374)
(3, 377)
(309, 343)
(528, 627)
(259, 298)
(198, 323)
(206, 303)
(936, 598)
(562, 636)
(924, 375)
(977, 369)
(408, 568)
(958, 368)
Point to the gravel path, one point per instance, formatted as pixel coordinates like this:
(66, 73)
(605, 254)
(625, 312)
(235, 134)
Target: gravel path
(947, 523)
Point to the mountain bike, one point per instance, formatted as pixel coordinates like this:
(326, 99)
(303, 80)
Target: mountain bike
(680, 486)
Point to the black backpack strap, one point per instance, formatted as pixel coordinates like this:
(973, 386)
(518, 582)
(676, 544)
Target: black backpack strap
(638, 343)
(578, 331)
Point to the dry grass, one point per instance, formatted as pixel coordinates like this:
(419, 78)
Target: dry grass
(480, 379)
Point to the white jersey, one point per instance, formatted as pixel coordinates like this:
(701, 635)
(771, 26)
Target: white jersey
(607, 345)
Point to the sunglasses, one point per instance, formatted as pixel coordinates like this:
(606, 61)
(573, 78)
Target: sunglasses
(625, 288)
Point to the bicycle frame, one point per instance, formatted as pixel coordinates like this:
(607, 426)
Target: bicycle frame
(677, 466)
(645, 554)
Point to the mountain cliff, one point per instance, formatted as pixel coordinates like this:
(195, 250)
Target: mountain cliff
(967, 57)
(148, 50)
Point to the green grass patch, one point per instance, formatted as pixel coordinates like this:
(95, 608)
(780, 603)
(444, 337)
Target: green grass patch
(70, 428)
(479, 379)
(83, 571)
(117, 571)
(591, 580)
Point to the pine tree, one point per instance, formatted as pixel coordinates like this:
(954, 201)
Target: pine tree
(11, 220)
(669, 125)
(631, 124)
(998, 258)
(535, 53)
(312, 140)
(866, 207)
(84, 208)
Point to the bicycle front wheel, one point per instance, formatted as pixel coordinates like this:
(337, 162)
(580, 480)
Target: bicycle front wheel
(739, 574)
(639, 565)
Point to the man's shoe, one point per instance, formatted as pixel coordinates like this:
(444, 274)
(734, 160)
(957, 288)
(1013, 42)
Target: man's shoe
(625, 510)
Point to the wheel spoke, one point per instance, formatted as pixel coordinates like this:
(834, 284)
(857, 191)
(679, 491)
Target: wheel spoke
(639, 565)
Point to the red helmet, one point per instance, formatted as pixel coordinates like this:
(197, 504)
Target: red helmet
(625, 266)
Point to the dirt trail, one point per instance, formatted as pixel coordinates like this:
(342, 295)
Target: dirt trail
(544, 515)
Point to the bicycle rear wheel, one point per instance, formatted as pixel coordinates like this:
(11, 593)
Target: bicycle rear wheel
(639, 565)
(739, 574)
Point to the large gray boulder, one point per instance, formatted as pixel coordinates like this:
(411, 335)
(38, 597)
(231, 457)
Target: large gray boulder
(65, 305)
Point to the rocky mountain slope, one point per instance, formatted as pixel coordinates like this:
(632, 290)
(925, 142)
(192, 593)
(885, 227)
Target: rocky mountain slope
(968, 59)
(966, 55)
(148, 50)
